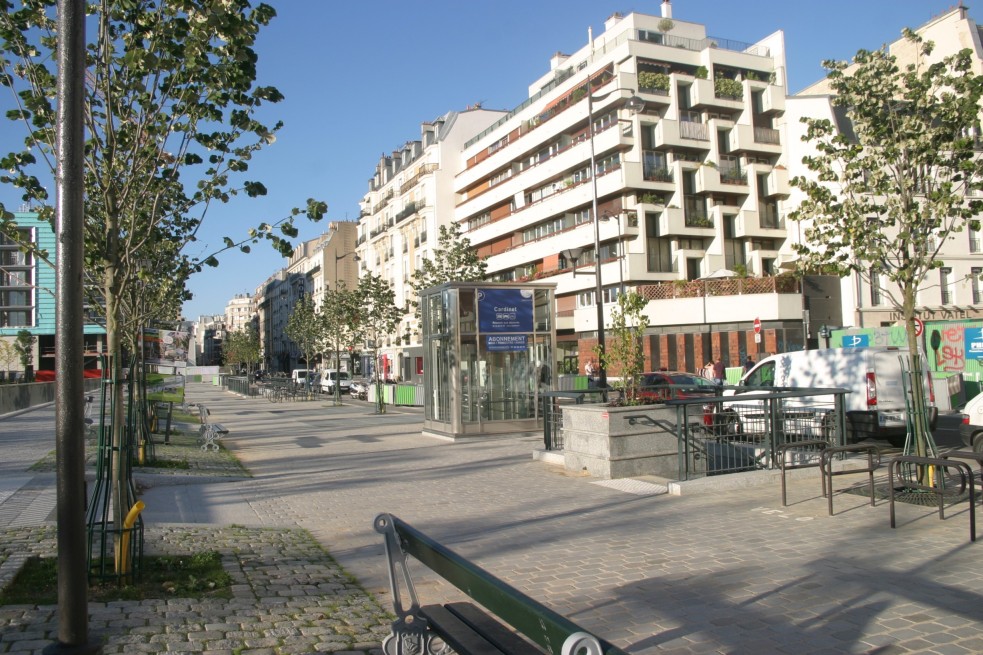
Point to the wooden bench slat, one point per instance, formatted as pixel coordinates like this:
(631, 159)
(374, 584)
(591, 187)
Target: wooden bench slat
(456, 633)
(497, 633)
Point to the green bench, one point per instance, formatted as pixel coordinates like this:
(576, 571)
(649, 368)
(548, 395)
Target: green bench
(494, 627)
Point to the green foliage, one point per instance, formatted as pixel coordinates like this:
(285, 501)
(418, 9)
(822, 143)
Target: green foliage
(650, 80)
(724, 87)
(379, 317)
(305, 328)
(624, 351)
(666, 25)
(885, 196)
(701, 72)
(172, 109)
(454, 260)
(24, 347)
(198, 575)
(8, 354)
(242, 348)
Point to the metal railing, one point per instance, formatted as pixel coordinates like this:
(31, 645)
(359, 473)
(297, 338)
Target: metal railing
(746, 431)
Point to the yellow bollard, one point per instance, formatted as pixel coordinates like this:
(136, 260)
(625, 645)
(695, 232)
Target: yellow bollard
(122, 554)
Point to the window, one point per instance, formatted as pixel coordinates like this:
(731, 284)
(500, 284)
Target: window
(543, 229)
(974, 282)
(585, 299)
(16, 282)
(659, 248)
(875, 288)
(945, 285)
(974, 242)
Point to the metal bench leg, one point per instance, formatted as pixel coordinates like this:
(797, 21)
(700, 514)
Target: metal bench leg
(410, 632)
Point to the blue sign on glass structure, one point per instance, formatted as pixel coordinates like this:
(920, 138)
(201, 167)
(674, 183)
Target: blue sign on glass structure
(505, 310)
(506, 342)
(974, 343)
(856, 340)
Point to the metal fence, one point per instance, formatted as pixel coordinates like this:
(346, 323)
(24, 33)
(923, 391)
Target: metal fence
(730, 429)
(749, 431)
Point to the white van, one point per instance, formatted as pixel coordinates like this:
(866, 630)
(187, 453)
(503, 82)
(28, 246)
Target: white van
(875, 406)
(299, 376)
(328, 381)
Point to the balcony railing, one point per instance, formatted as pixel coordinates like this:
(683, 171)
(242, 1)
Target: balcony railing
(730, 171)
(766, 135)
(975, 245)
(696, 214)
(691, 126)
(730, 286)
(769, 218)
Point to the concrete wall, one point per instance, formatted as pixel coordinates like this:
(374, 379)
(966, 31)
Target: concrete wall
(14, 397)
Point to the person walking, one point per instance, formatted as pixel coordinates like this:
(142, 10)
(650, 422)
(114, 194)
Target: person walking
(718, 371)
(748, 364)
(707, 370)
(590, 369)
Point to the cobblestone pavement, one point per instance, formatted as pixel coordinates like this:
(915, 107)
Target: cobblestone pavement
(725, 572)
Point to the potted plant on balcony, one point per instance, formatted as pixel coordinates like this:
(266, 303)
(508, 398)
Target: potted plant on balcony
(724, 87)
(701, 72)
(650, 81)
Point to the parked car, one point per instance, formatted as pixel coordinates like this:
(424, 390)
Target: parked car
(971, 429)
(330, 376)
(875, 406)
(359, 389)
(667, 385)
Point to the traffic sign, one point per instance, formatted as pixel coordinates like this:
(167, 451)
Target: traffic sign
(757, 326)
(919, 326)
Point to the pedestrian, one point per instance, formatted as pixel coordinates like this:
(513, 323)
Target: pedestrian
(718, 371)
(707, 370)
(749, 364)
(590, 369)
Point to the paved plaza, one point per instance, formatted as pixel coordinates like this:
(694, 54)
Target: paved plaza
(729, 571)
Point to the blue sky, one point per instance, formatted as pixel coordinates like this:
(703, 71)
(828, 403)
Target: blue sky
(360, 77)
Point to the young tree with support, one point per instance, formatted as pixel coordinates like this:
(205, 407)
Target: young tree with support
(305, 329)
(378, 318)
(171, 108)
(888, 192)
(339, 317)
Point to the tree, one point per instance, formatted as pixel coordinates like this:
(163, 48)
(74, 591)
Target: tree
(24, 347)
(890, 191)
(378, 318)
(305, 329)
(625, 353)
(171, 119)
(454, 260)
(339, 314)
(241, 348)
(8, 354)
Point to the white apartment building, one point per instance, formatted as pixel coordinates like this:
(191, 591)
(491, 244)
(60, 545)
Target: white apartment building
(315, 266)
(411, 195)
(239, 312)
(688, 190)
(954, 291)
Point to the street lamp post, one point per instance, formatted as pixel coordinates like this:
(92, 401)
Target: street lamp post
(635, 104)
(337, 349)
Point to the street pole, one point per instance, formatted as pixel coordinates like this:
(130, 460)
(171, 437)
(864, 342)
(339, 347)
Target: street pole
(602, 377)
(73, 579)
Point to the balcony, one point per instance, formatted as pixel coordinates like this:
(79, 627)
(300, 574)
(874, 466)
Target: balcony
(772, 98)
(754, 140)
(776, 184)
(691, 126)
(731, 171)
(703, 93)
(674, 221)
(739, 299)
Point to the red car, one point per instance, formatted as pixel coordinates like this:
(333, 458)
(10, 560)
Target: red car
(667, 385)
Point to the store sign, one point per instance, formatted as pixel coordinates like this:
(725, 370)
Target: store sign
(974, 343)
(505, 310)
(856, 341)
(506, 342)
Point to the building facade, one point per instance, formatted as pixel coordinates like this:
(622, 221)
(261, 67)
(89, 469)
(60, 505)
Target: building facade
(953, 292)
(239, 312)
(685, 191)
(410, 196)
(27, 295)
